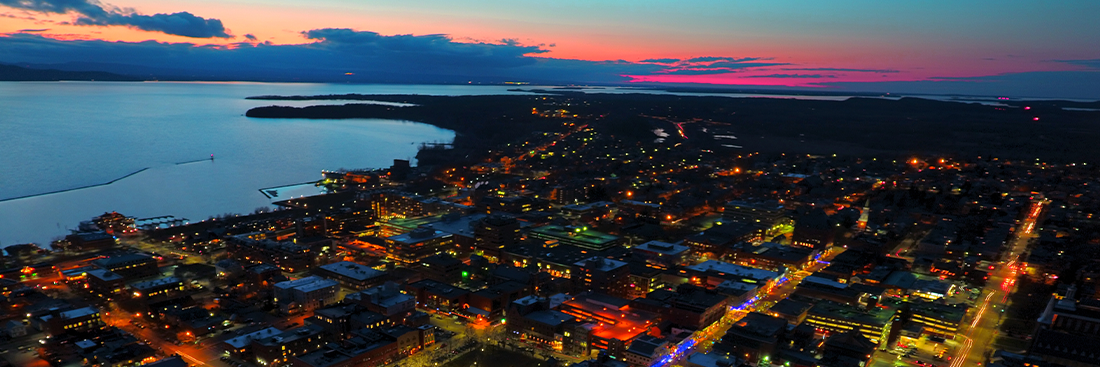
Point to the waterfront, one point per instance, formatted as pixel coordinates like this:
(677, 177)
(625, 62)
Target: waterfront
(61, 136)
(80, 135)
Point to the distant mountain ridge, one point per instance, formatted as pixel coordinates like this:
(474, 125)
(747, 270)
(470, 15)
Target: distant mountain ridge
(13, 73)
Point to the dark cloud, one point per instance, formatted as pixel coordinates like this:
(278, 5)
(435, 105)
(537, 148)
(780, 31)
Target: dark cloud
(91, 13)
(1091, 64)
(743, 64)
(180, 24)
(880, 71)
(661, 61)
(426, 49)
(721, 58)
(33, 30)
(250, 37)
(796, 76)
(369, 56)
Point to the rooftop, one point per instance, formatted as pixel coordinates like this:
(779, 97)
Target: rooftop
(243, 340)
(599, 263)
(352, 270)
(585, 237)
(873, 316)
(120, 259)
(418, 236)
(104, 275)
(549, 317)
(759, 324)
(724, 268)
(790, 307)
(664, 248)
(462, 226)
(80, 312)
(141, 286)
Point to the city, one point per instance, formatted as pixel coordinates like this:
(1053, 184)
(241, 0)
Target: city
(596, 183)
(576, 247)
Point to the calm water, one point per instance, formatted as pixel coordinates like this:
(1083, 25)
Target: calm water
(58, 136)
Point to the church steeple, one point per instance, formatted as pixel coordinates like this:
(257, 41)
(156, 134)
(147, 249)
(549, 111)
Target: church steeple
(864, 215)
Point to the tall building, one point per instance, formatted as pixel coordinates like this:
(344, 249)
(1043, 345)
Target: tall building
(1069, 331)
(495, 232)
(410, 248)
(603, 275)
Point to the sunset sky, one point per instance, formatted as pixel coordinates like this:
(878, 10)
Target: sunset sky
(1036, 48)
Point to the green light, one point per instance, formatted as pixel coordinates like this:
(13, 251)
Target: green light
(465, 274)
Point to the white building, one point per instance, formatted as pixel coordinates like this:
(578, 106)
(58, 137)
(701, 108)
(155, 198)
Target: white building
(305, 294)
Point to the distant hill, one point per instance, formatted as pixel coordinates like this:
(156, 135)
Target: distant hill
(12, 73)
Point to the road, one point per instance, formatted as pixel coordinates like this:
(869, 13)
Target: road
(704, 340)
(977, 339)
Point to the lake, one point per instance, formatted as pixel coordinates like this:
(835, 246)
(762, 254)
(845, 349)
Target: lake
(60, 136)
(57, 136)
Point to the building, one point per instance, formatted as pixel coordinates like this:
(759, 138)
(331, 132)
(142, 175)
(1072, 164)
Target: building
(305, 294)
(489, 303)
(531, 319)
(279, 348)
(717, 240)
(91, 240)
(1069, 331)
(351, 275)
(937, 319)
(646, 350)
(366, 349)
(286, 255)
(442, 267)
(847, 349)
(512, 204)
(660, 254)
(768, 214)
(691, 307)
(13, 329)
(105, 282)
(874, 323)
(772, 256)
(174, 361)
(712, 273)
(793, 311)
(493, 233)
(241, 346)
(129, 266)
(162, 287)
(577, 236)
(336, 318)
(386, 300)
(643, 279)
(410, 248)
(614, 322)
(603, 275)
(754, 337)
(68, 321)
(439, 297)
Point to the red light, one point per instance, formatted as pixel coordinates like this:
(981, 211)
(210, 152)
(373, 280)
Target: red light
(1036, 119)
(1027, 108)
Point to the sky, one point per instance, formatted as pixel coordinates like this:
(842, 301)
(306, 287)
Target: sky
(1010, 47)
